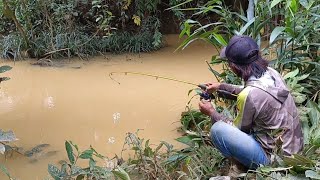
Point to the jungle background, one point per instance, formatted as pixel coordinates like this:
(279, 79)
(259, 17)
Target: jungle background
(288, 32)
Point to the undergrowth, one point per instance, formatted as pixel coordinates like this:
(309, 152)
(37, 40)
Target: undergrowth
(56, 29)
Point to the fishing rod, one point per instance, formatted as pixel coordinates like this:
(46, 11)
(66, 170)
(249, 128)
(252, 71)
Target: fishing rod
(203, 94)
(151, 75)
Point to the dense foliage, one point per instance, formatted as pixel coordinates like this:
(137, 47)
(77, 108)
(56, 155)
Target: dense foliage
(56, 28)
(292, 29)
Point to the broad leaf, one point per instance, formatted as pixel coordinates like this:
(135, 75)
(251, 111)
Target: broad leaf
(185, 140)
(5, 69)
(120, 173)
(69, 150)
(92, 163)
(275, 33)
(54, 172)
(299, 78)
(271, 169)
(291, 74)
(294, 6)
(246, 26)
(220, 39)
(312, 174)
(87, 154)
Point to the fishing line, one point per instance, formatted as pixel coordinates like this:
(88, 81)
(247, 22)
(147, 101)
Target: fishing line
(204, 95)
(150, 75)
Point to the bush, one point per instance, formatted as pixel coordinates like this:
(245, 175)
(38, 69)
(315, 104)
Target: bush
(58, 29)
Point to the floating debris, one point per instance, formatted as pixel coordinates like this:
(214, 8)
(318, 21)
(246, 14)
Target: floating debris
(116, 117)
(111, 140)
(49, 102)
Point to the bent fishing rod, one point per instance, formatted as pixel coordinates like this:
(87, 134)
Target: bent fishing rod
(204, 94)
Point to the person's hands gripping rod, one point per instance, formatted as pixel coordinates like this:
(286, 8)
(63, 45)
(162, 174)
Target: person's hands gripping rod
(206, 96)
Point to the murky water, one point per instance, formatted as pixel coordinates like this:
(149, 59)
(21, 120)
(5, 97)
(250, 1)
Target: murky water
(51, 105)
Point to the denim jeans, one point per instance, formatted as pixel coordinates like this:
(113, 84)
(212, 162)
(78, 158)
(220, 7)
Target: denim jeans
(233, 143)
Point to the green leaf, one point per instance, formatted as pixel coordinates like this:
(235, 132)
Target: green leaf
(294, 6)
(299, 78)
(185, 140)
(74, 145)
(175, 158)
(87, 154)
(54, 172)
(300, 99)
(314, 113)
(274, 3)
(120, 173)
(148, 152)
(275, 33)
(298, 160)
(92, 163)
(8, 12)
(178, 5)
(268, 169)
(246, 26)
(291, 74)
(70, 154)
(5, 69)
(182, 33)
(220, 39)
(80, 177)
(312, 174)
(76, 170)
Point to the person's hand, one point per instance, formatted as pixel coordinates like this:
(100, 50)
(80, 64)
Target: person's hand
(206, 107)
(212, 87)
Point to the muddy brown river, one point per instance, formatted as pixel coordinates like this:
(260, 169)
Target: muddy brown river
(79, 102)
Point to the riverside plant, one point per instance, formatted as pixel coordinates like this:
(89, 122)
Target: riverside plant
(291, 29)
(56, 29)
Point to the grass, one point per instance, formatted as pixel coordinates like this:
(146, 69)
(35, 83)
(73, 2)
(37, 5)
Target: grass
(79, 44)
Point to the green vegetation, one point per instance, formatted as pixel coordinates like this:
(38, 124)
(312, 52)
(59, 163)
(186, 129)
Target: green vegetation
(292, 30)
(55, 29)
(70, 170)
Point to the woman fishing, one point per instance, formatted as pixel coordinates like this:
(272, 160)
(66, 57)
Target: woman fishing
(267, 120)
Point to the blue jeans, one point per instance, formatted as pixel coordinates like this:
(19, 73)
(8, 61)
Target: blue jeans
(233, 143)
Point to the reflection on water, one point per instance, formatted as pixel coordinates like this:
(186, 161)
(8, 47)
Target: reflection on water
(54, 104)
(6, 102)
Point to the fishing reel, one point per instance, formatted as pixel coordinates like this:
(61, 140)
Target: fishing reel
(202, 92)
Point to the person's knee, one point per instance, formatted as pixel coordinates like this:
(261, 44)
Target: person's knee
(218, 128)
